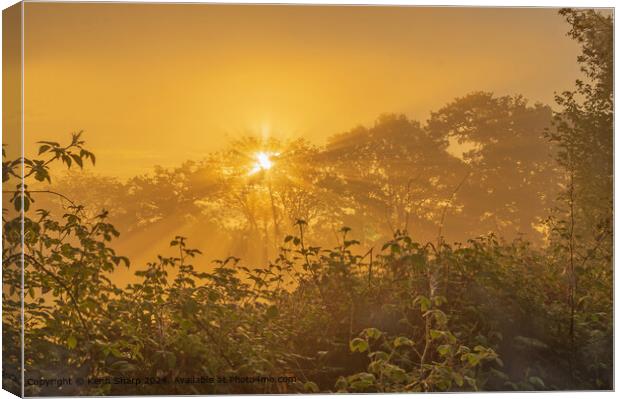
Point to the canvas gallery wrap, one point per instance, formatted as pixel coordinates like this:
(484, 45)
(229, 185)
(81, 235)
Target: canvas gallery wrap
(270, 199)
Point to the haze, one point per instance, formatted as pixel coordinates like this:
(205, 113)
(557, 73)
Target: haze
(160, 84)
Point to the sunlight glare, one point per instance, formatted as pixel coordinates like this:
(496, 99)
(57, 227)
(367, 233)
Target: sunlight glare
(263, 162)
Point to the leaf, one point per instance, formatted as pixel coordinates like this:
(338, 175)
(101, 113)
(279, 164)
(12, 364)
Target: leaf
(361, 381)
(443, 350)
(395, 373)
(358, 345)
(71, 342)
(341, 383)
(77, 160)
(123, 365)
(379, 355)
(425, 303)
(458, 378)
(52, 143)
(436, 334)
(537, 382)
(371, 333)
(310, 386)
(402, 341)
(472, 359)
(43, 148)
(67, 160)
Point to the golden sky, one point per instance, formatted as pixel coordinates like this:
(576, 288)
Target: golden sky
(159, 84)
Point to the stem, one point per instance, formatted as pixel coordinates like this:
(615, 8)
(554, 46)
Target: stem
(41, 191)
(572, 276)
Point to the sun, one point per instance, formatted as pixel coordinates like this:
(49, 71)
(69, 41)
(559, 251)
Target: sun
(263, 162)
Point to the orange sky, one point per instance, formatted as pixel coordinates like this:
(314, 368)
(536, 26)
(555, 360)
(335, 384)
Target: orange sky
(159, 84)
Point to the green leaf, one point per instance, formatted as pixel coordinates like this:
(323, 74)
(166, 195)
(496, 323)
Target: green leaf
(371, 333)
(358, 345)
(361, 381)
(71, 342)
(458, 378)
(537, 382)
(310, 386)
(395, 373)
(123, 366)
(443, 350)
(472, 359)
(436, 334)
(341, 383)
(425, 303)
(402, 341)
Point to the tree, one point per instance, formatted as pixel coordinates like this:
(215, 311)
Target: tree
(582, 221)
(512, 179)
(393, 176)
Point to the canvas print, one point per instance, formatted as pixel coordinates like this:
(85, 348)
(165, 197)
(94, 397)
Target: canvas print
(286, 199)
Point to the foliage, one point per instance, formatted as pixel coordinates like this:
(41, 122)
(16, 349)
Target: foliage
(581, 222)
(388, 312)
(410, 318)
